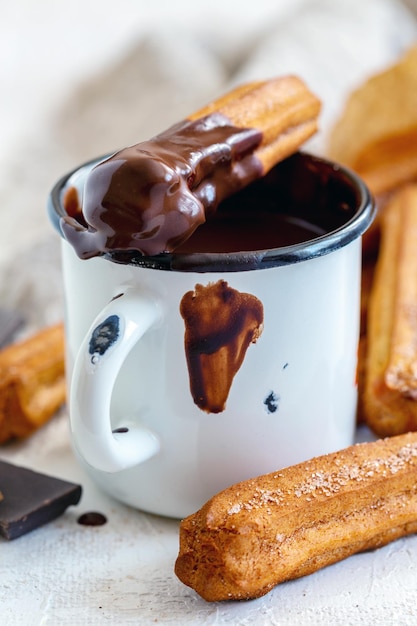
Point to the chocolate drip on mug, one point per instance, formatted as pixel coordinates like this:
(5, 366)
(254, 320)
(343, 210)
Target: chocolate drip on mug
(220, 324)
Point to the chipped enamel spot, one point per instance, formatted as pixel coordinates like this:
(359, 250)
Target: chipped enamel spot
(103, 337)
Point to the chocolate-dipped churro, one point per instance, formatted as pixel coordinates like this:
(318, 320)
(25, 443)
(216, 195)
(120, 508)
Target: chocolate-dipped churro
(149, 198)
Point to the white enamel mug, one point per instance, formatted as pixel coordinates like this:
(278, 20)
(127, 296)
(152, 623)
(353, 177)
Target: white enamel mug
(139, 428)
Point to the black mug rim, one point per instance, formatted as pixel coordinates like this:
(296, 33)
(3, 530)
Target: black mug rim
(321, 245)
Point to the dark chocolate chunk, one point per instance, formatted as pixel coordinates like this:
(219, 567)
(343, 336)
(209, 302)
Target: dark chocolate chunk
(10, 322)
(31, 499)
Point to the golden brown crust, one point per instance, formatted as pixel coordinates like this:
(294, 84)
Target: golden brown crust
(283, 109)
(367, 277)
(360, 377)
(377, 132)
(287, 524)
(32, 382)
(390, 394)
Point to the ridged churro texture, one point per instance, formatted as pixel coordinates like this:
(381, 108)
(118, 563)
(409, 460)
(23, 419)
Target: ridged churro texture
(390, 395)
(283, 109)
(290, 523)
(32, 382)
(376, 134)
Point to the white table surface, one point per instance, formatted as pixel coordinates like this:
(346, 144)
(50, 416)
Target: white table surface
(122, 573)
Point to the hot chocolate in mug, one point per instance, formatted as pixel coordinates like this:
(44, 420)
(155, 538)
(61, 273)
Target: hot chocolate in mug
(231, 357)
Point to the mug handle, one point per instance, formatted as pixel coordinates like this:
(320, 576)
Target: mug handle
(111, 337)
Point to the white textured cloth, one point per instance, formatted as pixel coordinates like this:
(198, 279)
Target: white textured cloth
(165, 72)
(149, 64)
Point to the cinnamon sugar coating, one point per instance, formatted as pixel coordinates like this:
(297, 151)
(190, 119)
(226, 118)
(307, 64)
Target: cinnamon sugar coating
(287, 524)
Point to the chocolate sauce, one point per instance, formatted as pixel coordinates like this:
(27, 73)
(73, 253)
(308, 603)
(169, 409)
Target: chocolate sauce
(220, 324)
(92, 518)
(258, 231)
(150, 197)
(303, 199)
(72, 204)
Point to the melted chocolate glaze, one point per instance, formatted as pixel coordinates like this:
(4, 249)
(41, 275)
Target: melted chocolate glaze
(150, 197)
(326, 206)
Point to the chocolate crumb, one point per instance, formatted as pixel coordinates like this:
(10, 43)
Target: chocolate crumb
(92, 518)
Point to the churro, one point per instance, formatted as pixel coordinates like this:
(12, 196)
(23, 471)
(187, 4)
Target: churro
(149, 198)
(390, 393)
(290, 523)
(283, 109)
(32, 382)
(376, 134)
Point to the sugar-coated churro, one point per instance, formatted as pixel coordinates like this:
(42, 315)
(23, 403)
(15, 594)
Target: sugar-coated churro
(376, 134)
(32, 382)
(283, 109)
(290, 523)
(390, 393)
